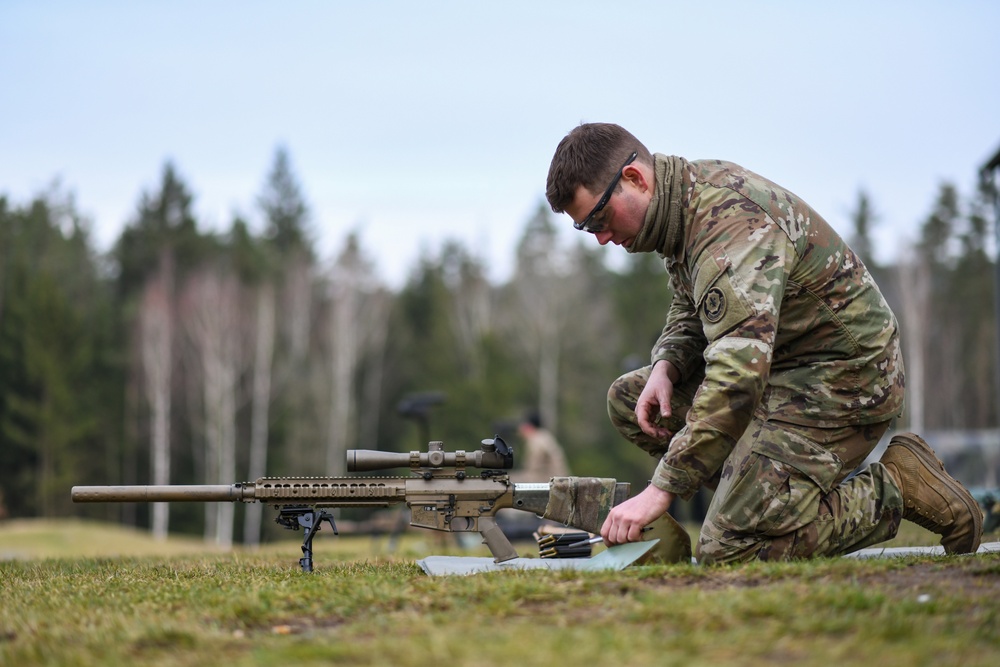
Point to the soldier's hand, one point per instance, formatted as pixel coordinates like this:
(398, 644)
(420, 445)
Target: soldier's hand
(626, 521)
(654, 401)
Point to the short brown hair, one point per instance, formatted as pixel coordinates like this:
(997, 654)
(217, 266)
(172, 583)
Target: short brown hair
(589, 156)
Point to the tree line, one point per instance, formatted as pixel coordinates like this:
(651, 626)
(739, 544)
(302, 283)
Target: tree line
(187, 356)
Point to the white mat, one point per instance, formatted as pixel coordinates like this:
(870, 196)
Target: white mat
(613, 558)
(895, 552)
(445, 565)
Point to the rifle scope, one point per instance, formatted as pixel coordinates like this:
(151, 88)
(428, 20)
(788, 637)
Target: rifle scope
(493, 453)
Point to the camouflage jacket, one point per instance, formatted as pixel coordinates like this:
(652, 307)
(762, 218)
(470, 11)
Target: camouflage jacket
(785, 317)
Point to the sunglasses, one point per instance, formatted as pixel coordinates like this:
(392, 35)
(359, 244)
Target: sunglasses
(588, 224)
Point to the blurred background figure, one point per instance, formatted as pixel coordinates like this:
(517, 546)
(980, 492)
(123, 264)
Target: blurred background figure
(541, 454)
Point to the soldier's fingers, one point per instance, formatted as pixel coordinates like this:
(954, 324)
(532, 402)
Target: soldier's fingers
(645, 423)
(654, 430)
(609, 530)
(611, 538)
(657, 432)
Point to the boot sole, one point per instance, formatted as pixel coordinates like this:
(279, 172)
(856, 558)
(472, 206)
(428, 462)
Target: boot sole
(923, 451)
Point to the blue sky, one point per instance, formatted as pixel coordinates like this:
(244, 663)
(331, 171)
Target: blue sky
(413, 122)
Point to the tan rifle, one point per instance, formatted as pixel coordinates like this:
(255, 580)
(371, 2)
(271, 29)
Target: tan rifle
(440, 493)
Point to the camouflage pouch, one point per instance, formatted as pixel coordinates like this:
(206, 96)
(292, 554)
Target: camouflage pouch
(580, 502)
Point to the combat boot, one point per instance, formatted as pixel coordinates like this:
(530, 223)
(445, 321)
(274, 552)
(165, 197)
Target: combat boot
(931, 497)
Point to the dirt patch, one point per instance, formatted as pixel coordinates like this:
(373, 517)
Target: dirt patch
(974, 577)
(980, 578)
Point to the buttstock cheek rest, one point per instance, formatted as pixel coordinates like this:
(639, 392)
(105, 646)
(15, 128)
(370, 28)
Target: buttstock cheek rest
(581, 502)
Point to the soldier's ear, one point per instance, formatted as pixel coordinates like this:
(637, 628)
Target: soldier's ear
(640, 176)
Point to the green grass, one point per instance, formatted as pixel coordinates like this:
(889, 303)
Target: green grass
(193, 606)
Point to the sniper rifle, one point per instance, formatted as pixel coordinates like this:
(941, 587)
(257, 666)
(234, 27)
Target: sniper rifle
(440, 492)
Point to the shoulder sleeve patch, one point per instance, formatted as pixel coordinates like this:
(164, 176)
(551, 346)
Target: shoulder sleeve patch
(714, 305)
(719, 306)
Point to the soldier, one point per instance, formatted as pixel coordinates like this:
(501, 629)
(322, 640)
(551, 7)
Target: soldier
(778, 369)
(544, 458)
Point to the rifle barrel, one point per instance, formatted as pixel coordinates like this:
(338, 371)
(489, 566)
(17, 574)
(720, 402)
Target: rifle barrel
(194, 493)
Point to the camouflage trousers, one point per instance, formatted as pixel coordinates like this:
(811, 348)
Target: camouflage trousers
(786, 490)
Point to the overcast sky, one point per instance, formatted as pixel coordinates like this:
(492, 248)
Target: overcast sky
(413, 122)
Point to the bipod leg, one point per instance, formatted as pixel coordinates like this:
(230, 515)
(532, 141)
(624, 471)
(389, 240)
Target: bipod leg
(311, 522)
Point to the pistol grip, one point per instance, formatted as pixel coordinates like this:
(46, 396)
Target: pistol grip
(493, 537)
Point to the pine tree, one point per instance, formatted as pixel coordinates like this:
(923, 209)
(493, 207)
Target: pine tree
(864, 219)
(295, 423)
(53, 365)
(285, 211)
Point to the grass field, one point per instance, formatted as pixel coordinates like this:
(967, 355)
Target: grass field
(80, 593)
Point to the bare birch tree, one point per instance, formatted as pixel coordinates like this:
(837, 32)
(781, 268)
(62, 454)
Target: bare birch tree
(470, 314)
(260, 404)
(211, 317)
(376, 312)
(939, 249)
(156, 333)
(915, 292)
(352, 323)
(292, 368)
(541, 311)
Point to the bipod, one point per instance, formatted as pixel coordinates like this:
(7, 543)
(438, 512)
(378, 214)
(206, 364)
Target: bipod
(310, 519)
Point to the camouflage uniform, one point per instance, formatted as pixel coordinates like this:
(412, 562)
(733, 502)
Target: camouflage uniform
(790, 369)
(544, 458)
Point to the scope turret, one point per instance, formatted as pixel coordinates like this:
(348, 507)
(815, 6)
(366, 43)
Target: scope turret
(492, 453)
